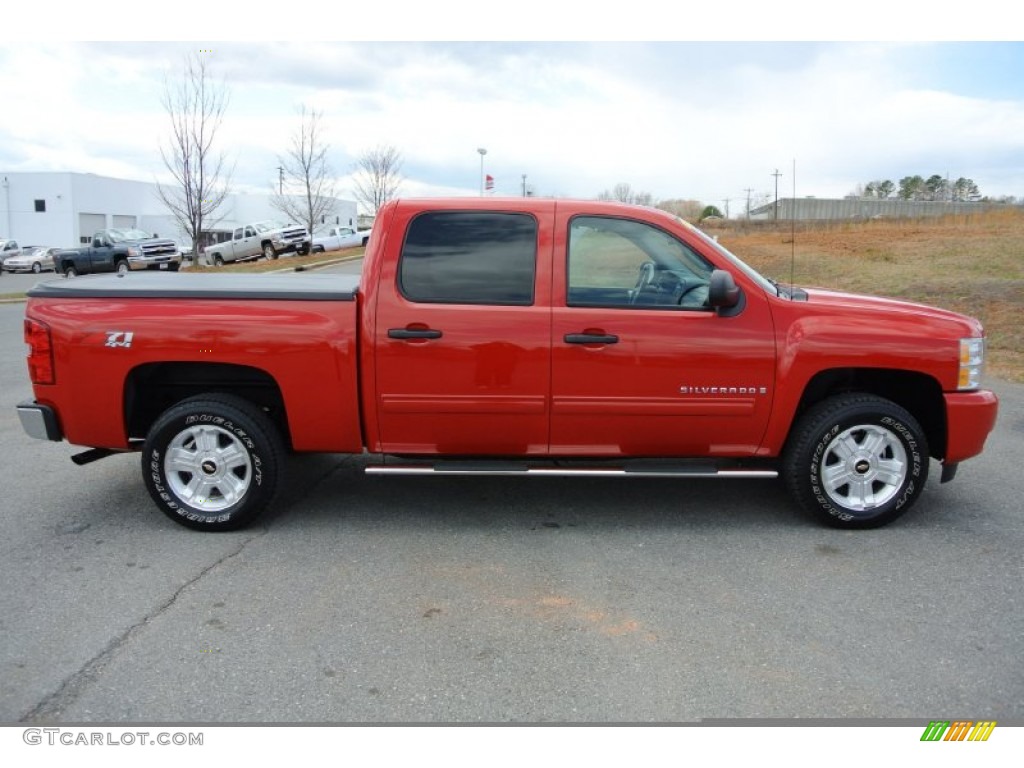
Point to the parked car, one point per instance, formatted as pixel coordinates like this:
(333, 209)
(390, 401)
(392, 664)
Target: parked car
(337, 238)
(33, 258)
(8, 248)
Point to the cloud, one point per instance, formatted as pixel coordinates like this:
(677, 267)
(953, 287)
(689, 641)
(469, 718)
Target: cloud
(698, 120)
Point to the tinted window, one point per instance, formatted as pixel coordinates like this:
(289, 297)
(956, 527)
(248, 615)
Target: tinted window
(470, 258)
(624, 263)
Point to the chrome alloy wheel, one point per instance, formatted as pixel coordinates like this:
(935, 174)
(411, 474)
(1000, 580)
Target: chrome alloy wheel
(863, 467)
(208, 467)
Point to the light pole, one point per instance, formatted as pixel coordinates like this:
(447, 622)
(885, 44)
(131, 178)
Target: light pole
(776, 175)
(482, 152)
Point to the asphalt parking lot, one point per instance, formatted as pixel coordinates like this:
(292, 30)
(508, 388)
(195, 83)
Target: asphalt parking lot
(382, 599)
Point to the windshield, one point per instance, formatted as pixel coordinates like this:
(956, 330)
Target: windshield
(125, 235)
(736, 261)
(266, 226)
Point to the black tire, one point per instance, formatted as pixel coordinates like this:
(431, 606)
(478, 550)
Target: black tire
(174, 266)
(37, 267)
(269, 252)
(856, 461)
(304, 250)
(218, 260)
(213, 462)
(121, 267)
(70, 271)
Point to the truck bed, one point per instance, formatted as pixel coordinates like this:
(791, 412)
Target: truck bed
(293, 287)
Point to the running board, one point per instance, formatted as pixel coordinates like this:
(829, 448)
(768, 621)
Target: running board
(520, 469)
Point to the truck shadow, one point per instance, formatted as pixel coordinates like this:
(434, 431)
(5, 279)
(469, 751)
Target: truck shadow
(333, 490)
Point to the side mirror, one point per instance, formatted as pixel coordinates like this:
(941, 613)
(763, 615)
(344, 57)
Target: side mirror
(723, 293)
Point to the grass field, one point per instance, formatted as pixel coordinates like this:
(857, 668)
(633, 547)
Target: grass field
(970, 264)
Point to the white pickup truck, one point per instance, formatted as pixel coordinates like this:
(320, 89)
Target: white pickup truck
(264, 238)
(337, 238)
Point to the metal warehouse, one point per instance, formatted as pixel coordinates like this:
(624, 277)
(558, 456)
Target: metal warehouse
(811, 208)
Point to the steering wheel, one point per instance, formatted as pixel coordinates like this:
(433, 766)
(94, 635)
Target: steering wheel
(643, 278)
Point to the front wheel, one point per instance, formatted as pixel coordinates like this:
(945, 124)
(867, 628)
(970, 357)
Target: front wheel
(213, 462)
(856, 461)
(37, 267)
(122, 267)
(269, 252)
(70, 271)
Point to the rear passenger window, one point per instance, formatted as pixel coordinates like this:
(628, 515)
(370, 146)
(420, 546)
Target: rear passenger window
(469, 258)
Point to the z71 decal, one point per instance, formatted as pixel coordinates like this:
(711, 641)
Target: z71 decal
(119, 339)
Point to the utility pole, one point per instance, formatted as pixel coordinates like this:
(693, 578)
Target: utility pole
(726, 201)
(776, 175)
(748, 191)
(524, 185)
(280, 180)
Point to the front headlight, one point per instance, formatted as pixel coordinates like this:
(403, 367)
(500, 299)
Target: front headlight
(972, 360)
(134, 252)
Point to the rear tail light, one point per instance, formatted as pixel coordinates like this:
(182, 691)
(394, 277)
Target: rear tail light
(40, 352)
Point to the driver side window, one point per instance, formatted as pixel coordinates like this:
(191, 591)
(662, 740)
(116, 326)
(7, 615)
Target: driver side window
(621, 263)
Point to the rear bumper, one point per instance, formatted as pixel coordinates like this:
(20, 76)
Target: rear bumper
(970, 417)
(39, 421)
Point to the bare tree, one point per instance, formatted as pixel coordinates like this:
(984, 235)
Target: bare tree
(691, 210)
(195, 106)
(305, 166)
(378, 177)
(624, 193)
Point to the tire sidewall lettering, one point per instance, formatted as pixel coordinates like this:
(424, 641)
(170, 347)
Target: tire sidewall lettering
(250, 438)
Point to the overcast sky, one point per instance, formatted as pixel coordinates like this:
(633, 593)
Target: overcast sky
(699, 120)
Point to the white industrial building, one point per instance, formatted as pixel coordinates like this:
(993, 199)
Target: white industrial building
(65, 209)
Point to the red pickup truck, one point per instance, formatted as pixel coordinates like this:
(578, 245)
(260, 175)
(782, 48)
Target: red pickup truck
(521, 337)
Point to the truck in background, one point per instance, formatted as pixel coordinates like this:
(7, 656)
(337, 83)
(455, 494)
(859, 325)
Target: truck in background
(268, 239)
(118, 250)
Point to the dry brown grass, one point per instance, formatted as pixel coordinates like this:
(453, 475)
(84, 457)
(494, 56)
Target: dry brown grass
(970, 264)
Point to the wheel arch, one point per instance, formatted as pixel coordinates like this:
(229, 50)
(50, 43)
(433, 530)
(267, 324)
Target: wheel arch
(152, 388)
(918, 393)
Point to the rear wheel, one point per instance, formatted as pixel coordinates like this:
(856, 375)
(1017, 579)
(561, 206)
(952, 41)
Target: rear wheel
(213, 462)
(37, 267)
(857, 461)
